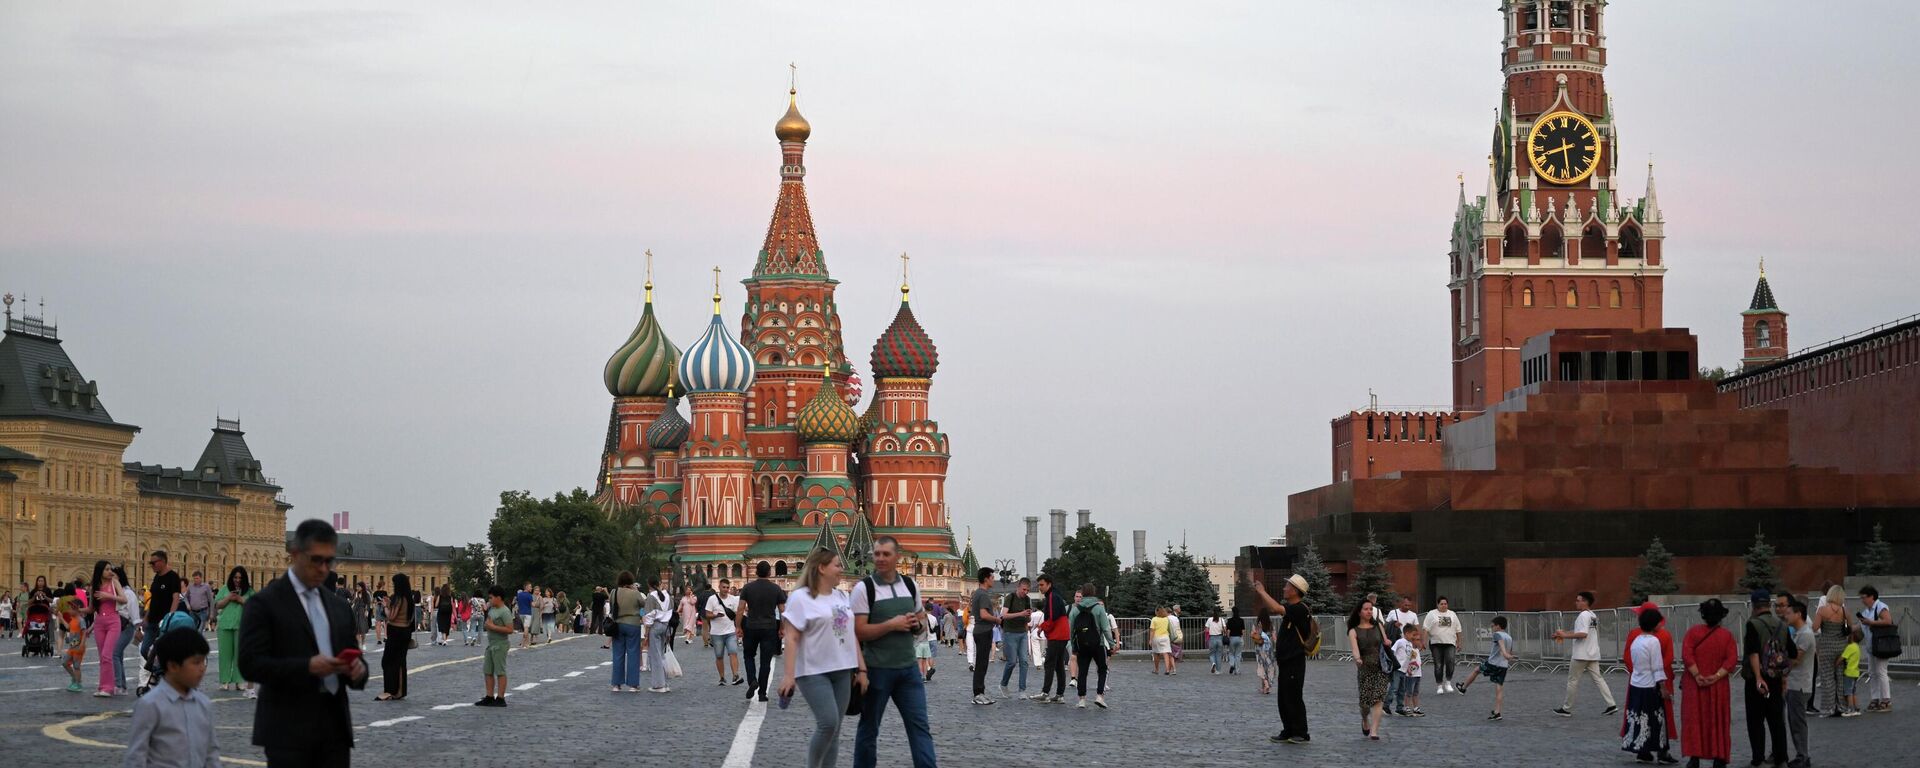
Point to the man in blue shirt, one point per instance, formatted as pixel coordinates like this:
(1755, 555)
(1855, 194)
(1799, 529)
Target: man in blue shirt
(523, 606)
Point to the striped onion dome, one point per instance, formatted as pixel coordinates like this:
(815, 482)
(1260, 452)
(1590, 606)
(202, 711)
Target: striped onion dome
(854, 387)
(826, 418)
(717, 362)
(669, 430)
(904, 351)
(644, 365)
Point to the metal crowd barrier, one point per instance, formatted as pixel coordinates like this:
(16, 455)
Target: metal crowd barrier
(1532, 633)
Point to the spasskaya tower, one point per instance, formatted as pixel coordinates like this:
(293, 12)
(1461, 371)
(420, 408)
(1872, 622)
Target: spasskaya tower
(1552, 243)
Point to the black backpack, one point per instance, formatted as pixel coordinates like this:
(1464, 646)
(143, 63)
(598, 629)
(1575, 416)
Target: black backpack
(912, 589)
(1086, 630)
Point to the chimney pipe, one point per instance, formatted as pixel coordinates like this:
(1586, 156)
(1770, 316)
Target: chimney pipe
(1139, 547)
(1086, 519)
(1059, 529)
(1033, 546)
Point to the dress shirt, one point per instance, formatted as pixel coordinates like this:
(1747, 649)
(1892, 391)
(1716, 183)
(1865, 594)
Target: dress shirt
(172, 730)
(315, 603)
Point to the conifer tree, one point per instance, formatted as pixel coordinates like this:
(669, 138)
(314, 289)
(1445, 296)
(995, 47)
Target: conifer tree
(1878, 559)
(1656, 575)
(1136, 592)
(1320, 597)
(1761, 572)
(1184, 583)
(1374, 578)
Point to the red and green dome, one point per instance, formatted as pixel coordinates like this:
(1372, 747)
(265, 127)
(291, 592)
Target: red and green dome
(904, 351)
(826, 418)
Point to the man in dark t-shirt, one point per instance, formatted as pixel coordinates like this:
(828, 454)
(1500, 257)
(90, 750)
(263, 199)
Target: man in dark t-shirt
(163, 597)
(1291, 638)
(981, 611)
(760, 627)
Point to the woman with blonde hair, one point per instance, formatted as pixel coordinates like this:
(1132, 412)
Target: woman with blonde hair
(823, 660)
(1831, 627)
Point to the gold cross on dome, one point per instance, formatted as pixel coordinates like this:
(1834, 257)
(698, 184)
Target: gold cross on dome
(904, 258)
(793, 77)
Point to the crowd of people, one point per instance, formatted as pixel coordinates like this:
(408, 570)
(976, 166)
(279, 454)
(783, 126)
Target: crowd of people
(856, 649)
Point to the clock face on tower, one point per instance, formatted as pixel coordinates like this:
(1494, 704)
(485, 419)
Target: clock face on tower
(1564, 147)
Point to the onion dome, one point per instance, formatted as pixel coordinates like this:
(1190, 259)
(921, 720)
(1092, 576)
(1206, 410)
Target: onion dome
(826, 418)
(854, 388)
(904, 351)
(792, 127)
(668, 430)
(717, 362)
(644, 365)
(870, 420)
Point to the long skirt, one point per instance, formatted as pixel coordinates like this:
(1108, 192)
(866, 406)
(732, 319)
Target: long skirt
(1373, 687)
(1706, 719)
(1645, 732)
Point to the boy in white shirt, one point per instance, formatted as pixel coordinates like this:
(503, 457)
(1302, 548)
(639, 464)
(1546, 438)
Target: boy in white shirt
(1406, 688)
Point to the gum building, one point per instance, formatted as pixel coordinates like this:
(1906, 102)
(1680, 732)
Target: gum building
(70, 497)
(1580, 428)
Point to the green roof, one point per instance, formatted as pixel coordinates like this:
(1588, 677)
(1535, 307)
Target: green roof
(778, 547)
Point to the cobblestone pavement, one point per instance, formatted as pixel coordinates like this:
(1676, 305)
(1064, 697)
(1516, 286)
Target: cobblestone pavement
(561, 710)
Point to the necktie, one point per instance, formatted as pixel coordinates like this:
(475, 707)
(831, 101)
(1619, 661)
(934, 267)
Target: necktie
(322, 635)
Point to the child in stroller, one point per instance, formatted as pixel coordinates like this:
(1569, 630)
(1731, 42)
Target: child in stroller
(38, 631)
(172, 622)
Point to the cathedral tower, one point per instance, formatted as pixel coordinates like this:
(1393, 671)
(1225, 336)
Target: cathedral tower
(791, 327)
(1552, 243)
(716, 513)
(638, 375)
(905, 451)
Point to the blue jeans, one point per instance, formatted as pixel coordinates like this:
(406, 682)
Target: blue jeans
(626, 655)
(907, 690)
(1013, 645)
(1396, 698)
(471, 631)
(120, 654)
(1214, 648)
(1235, 647)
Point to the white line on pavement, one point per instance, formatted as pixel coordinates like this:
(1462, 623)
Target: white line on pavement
(526, 686)
(33, 690)
(746, 737)
(395, 721)
(445, 707)
(550, 680)
(575, 673)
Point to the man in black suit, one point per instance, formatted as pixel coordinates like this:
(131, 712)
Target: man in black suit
(292, 636)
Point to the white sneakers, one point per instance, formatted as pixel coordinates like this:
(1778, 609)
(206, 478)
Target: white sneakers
(1083, 703)
(982, 699)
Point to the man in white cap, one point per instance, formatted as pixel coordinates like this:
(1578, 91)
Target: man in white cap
(1295, 634)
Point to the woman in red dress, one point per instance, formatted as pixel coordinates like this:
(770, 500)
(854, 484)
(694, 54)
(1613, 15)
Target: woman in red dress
(1711, 653)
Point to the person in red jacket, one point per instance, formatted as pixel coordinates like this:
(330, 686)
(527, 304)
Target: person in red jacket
(1055, 629)
(1666, 652)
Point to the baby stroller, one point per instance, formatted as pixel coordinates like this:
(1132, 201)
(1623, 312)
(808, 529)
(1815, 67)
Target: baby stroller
(173, 622)
(38, 631)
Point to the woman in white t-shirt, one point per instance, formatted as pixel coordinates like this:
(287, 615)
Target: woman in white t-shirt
(823, 659)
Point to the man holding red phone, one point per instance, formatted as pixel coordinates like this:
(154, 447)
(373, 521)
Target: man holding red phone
(297, 641)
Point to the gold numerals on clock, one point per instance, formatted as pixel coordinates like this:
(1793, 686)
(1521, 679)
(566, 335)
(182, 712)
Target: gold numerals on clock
(1563, 147)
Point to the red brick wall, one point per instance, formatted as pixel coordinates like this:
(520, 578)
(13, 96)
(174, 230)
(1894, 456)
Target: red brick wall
(1849, 408)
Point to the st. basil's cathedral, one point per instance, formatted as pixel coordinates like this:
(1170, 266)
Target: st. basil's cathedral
(774, 461)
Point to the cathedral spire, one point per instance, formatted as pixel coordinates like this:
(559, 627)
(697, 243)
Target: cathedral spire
(790, 247)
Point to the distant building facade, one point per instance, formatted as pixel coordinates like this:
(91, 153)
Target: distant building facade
(373, 558)
(70, 497)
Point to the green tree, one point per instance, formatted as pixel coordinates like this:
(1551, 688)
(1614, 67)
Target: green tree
(1878, 559)
(1135, 593)
(1761, 571)
(1086, 556)
(1716, 373)
(1184, 583)
(1656, 575)
(1320, 598)
(1374, 578)
(468, 569)
(566, 542)
(645, 547)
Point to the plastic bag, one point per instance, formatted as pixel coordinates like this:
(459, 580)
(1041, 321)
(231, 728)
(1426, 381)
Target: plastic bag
(673, 664)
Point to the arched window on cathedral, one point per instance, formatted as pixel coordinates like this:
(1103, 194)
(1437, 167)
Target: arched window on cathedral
(1593, 244)
(1552, 246)
(1762, 334)
(1526, 295)
(1514, 244)
(1573, 294)
(1630, 247)
(780, 568)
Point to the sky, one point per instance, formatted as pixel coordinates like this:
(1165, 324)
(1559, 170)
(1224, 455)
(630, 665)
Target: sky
(1158, 249)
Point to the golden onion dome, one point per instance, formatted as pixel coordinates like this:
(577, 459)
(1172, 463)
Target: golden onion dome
(792, 127)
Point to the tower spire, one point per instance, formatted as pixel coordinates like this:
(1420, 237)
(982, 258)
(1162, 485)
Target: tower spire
(716, 290)
(649, 275)
(904, 288)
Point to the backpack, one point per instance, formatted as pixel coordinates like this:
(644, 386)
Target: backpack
(1776, 647)
(1311, 640)
(911, 590)
(1086, 629)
